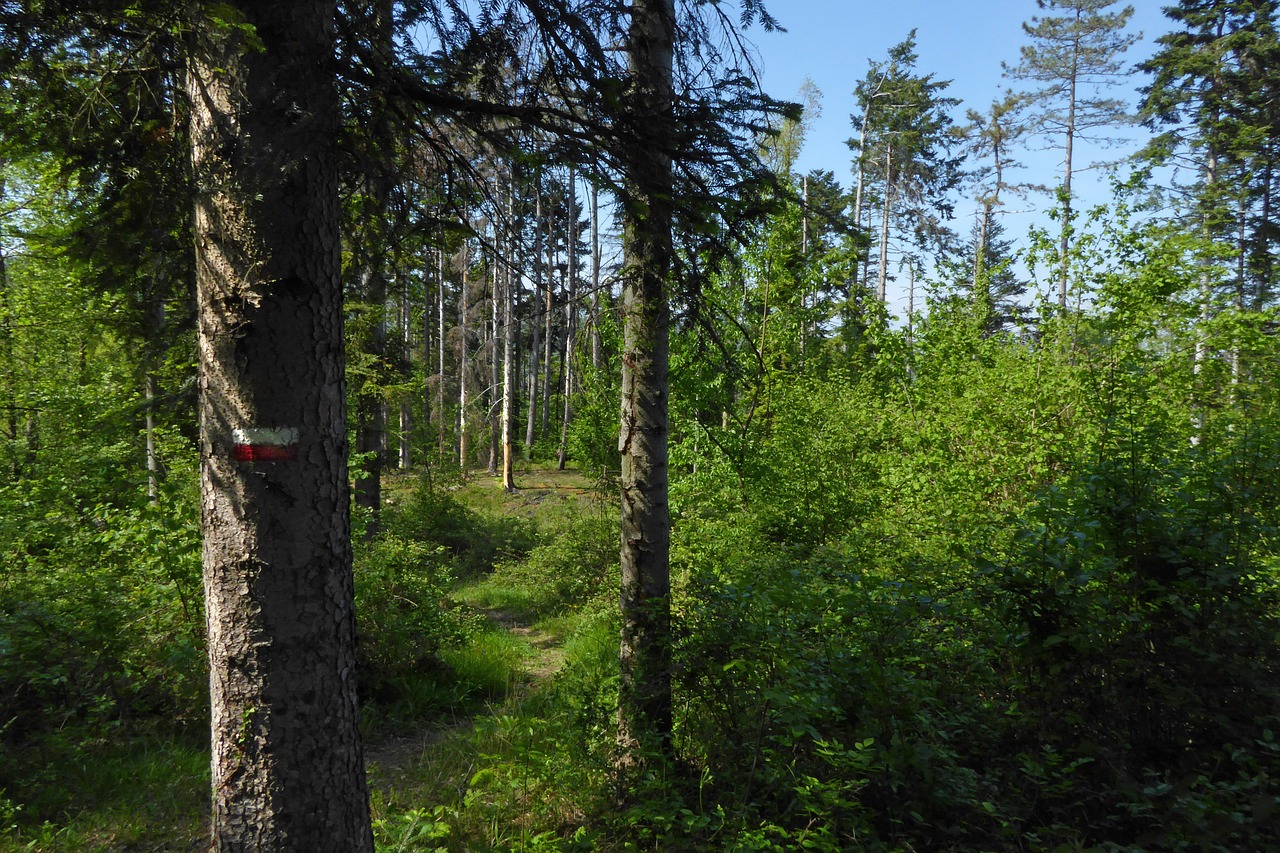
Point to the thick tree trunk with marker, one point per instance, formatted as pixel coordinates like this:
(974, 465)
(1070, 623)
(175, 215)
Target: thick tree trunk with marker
(286, 759)
(644, 713)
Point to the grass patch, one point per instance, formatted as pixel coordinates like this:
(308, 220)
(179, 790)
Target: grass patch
(488, 665)
(142, 792)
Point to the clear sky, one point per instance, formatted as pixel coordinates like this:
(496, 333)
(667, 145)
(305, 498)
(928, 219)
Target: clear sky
(831, 41)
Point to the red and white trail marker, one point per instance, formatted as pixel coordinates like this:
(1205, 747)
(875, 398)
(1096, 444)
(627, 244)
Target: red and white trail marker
(259, 444)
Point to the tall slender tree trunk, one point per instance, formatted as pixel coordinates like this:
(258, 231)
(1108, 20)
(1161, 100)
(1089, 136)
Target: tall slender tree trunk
(463, 360)
(981, 282)
(571, 324)
(595, 277)
(883, 272)
(149, 428)
(428, 348)
(1064, 241)
(509, 347)
(152, 348)
(287, 768)
(371, 413)
(548, 317)
(8, 368)
(495, 368)
(804, 255)
(535, 347)
(644, 701)
(371, 407)
(406, 372)
(1201, 353)
(440, 336)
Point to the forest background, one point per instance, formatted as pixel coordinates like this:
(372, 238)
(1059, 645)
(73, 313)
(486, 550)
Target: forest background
(996, 573)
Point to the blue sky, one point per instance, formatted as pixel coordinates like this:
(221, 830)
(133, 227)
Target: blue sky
(830, 42)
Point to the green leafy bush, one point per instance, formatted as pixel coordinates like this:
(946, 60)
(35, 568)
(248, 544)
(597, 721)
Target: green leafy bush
(474, 542)
(404, 618)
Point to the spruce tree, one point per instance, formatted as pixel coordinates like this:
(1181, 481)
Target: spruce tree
(1073, 58)
(904, 152)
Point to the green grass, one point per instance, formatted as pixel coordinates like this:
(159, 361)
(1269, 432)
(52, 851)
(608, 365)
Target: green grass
(117, 793)
(488, 665)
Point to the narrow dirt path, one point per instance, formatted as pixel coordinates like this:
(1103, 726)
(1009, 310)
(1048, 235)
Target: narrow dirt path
(387, 759)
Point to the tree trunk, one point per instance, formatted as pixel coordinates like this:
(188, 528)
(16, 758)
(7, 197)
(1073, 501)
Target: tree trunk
(570, 321)
(1201, 353)
(406, 373)
(882, 274)
(440, 343)
(495, 369)
(509, 348)
(535, 347)
(548, 315)
(981, 283)
(149, 428)
(595, 277)
(463, 363)
(8, 367)
(644, 701)
(1064, 242)
(371, 408)
(287, 767)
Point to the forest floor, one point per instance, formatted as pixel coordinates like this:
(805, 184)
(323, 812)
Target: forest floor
(427, 763)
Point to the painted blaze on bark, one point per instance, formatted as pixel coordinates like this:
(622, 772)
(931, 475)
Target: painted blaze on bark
(287, 767)
(644, 715)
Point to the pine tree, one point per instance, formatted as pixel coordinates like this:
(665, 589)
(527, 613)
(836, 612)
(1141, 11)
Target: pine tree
(1213, 99)
(991, 136)
(903, 152)
(1072, 58)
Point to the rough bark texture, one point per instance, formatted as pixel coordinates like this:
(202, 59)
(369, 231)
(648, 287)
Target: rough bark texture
(644, 718)
(287, 767)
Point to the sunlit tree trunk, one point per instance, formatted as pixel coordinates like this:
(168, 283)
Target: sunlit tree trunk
(571, 325)
(8, 368)
(495, 368)
(286, 760)
(595, 277)
(509, 349)
(440, 336)
(371, 409)
(883, 272)
(548, 316)
(535, 347)
(406, 403)
(463, 359)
